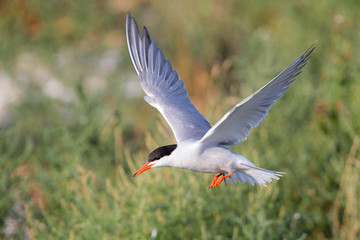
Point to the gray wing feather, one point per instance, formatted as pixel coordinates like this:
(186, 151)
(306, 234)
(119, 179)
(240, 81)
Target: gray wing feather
(162, 85)
(235, 125)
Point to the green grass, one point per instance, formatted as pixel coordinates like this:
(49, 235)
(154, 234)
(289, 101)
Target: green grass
(67, 156)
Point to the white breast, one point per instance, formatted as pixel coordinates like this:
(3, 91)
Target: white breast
(192, 156)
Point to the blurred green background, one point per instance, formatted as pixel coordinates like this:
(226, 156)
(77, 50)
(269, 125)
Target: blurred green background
(74, 126)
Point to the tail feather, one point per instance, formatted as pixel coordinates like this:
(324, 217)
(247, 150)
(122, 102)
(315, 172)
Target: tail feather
(256, 175)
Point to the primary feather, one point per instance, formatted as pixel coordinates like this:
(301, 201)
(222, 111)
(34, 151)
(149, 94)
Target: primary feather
(235, 126)
(162, 85)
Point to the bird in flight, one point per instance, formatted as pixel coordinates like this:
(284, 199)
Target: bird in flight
(200, 147)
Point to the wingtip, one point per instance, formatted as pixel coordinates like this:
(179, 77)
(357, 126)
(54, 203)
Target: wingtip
(128, 17)
(310, 49)
(127, 24)
(131, 23)
(313, 44)
(145, 33)
(307, 54)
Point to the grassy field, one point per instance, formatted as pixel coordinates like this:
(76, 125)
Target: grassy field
(74, 126)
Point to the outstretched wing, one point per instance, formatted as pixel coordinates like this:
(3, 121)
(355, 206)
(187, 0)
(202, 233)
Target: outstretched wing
(235, 126)
(162, 85)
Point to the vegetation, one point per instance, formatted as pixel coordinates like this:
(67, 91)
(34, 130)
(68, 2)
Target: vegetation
(74, 126)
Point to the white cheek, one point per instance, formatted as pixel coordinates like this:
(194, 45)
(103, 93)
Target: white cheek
(163, 162)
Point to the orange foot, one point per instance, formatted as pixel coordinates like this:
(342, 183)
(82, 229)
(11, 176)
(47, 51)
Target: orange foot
(217, 180)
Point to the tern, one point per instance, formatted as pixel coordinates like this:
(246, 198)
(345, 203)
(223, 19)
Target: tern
(200, 147)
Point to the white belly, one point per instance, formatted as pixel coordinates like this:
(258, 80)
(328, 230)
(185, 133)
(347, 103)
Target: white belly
(211, 160)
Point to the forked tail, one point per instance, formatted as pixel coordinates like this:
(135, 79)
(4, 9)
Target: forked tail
(256, 175)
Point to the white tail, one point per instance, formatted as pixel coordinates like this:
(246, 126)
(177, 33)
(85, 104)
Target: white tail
(256, 175)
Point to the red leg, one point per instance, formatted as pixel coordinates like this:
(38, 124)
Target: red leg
(214, 180)
(219, 180)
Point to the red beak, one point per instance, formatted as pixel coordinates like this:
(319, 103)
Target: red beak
(143, 169)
